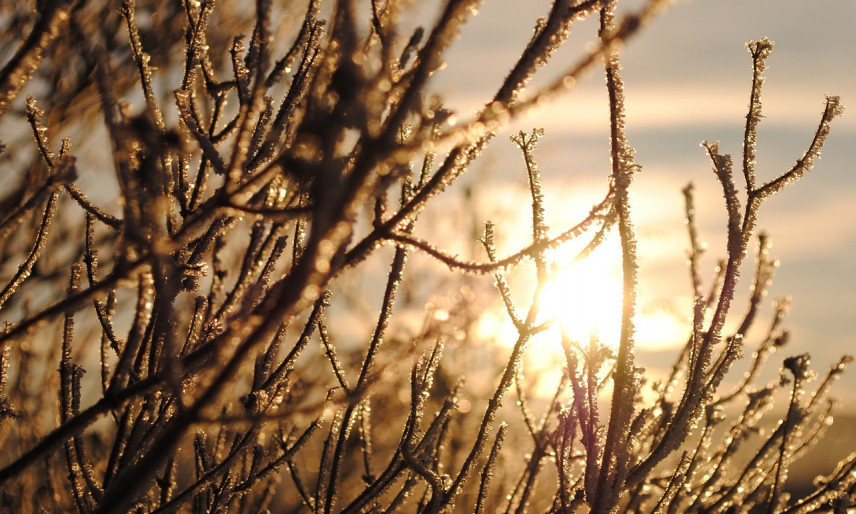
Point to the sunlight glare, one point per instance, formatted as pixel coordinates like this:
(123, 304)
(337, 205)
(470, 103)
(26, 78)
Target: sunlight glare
(584, 297)
(583, 300)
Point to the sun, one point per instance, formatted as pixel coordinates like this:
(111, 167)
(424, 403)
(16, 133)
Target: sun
(582, 300)
(583, 297)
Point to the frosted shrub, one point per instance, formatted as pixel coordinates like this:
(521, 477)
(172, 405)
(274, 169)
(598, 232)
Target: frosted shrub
(178, 349)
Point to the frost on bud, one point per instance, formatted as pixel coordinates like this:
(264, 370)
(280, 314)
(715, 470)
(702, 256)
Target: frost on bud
(798, 365)
(834, 106)
(760, 49)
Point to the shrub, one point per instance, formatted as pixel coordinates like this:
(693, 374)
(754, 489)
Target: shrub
(257, 180)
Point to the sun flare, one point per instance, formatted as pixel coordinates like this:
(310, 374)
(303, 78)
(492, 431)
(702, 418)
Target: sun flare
(583, 298)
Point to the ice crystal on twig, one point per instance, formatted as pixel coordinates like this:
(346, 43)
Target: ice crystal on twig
(264, 156)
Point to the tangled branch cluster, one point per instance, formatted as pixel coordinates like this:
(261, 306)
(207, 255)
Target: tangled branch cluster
(254, 174)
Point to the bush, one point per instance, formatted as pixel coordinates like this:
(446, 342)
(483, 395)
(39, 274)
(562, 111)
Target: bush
(257, 182)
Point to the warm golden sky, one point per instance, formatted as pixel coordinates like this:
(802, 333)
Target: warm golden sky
(687, 79)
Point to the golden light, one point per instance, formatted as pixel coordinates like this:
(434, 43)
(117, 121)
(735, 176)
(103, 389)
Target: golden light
(658, 328)
(583, 298)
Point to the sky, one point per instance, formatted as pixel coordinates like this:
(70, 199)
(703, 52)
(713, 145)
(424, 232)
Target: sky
(687, 78)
